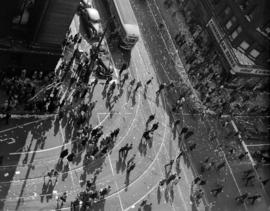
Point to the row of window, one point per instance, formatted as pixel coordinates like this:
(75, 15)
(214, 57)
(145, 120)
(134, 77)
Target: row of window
(244, 45)
(254, 53)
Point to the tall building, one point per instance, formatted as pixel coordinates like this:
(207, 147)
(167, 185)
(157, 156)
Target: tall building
(241, 29)
(31, 32)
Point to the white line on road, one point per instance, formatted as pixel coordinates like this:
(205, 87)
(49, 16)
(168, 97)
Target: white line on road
(140, 199)
(117, 187)
(151, 109)
(52, 148)
(22, 125)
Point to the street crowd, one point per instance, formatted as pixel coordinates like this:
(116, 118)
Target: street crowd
(18, 87)
(218, 90)
(65, 93)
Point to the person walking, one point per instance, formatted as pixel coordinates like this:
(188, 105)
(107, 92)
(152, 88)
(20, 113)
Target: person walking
(197, 179)
(115, 133)
(132, 82)
(70, 157)
(150, 119)
(264, 182)
(170, 86)
(252, 199)
(125, 78)
(171, 178)
(181, 153)
(248, 172)
(131, 160)
(184, 130)
(149, 82)
(63, 199)
(242, 155)
(192, 147)
(161, 87)
(121, 151)
(241, 199)
(146, 135)
(176, 122)
(216, 191)
(170, 164)
(63, 154)
(249, 179)
(130, 167)
(220, 166)
(139, 84)
(126, 150)
(144, 202)
(146, 86)
(154, 127)
(123, 67)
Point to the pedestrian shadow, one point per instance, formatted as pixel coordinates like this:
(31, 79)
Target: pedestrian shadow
(174, 130)
(127, 181)
(129, 90)
(121, 92)
(28, 149)
(166, 195)
(49, 190)
(133, 101)
(177, 167)
(171, 193)
(56, 125)
(147, 207)
(68, 132)
(157, 101)
(159, 195)
(97, 206)
(43, 191)
(59, 165)
(142, 148)
(65, 172)
(77, 159)
(150, 142)
(104, 92)
(83, 178)
(120, 165)
(64, 121)
(192, 201)
(41, 142)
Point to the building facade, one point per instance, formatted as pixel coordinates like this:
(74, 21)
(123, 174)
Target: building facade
(32, 31)
(241, 29)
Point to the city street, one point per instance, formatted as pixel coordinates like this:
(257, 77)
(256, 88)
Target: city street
(31, 146)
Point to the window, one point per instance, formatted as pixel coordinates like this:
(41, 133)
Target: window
(236, 32)
(254, 53)
(244, 45)
(230, 22)
(23, 12)
(251, 13)
(227, 10)
(244, 5)
(266, 28)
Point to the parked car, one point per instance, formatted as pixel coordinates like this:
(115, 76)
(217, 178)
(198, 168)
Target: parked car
(92, 21)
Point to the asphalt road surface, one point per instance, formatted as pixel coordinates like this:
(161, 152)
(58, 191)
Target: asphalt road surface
(31, 147)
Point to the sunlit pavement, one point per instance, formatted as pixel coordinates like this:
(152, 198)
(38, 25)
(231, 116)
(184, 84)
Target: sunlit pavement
(22, 182)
